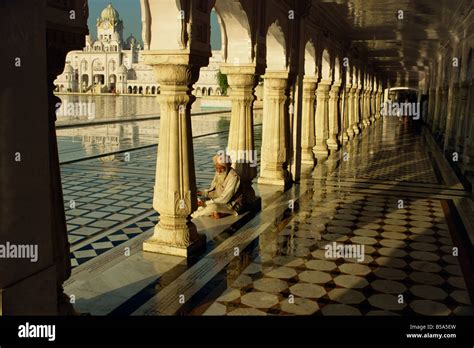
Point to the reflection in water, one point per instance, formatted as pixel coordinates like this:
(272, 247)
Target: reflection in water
(80, 142)
(78, 107)
(106, 107)
(85, 141)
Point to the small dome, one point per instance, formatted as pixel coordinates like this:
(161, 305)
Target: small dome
(68, 69)
(122, 69)
(131, 39)
(109, 13)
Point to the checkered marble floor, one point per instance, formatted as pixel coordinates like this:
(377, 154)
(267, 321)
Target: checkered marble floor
(397, 155)
(103, 194)
(410, 265)
(408, 268)
(110, 241)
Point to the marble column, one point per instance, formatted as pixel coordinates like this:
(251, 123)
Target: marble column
(366, 109)
(241, 145)
(273, 170)
(431, 104)
(373, 95)
(356, 109)
(451, 117)
(175, 182)
(32, 211)
(363, 105)
(468, 153)
(444, 111)
(308, 136)
(320, 149)
(350, 90)
(345, 118)
(437, 112)
(332, 141)
(378, 104)
(461, 131)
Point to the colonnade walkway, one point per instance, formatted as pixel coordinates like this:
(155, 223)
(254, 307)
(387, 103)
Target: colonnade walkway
(389, 192)
(108, 197)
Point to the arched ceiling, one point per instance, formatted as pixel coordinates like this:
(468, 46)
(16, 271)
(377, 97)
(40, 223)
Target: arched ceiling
(400, 48)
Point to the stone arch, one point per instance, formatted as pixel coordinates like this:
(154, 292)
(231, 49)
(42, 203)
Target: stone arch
(210, 91)
(204, 91)
(355, 75)
(140, 90)
(167, 22)
(130, 90)
(237, 46)
(112, 65)
(337, 69)
(153, 90)
(349, 73)
(218, 91)
(325, 65)
(97, 65)
(134, 89)
(310, 60)
(276, 47)
(376, 83)
(147, 90)
(85, 81)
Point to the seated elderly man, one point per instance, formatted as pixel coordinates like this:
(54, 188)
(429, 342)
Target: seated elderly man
(224, 196)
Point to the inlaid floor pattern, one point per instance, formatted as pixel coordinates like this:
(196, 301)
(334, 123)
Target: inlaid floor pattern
(408, 268)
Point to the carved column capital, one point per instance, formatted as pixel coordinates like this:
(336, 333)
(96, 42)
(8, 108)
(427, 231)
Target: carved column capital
(173, 75)
(323, 89)
(334, 91)
(309, 87)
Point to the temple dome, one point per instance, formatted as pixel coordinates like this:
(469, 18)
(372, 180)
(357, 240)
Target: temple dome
(109, 13)
(131, 39)
(68, 69)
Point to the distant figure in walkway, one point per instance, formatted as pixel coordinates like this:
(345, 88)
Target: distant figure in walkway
(223, 196)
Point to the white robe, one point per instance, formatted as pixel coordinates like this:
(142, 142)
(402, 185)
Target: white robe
(223, 187)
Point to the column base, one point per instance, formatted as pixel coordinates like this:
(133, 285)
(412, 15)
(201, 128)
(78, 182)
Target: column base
(272, 181)
(332, 145)
(356, 130)
(350, 133)
(306, 171)
(321, 152)
(196, 247)
(345, 137)
(273, 174)
(307, 158)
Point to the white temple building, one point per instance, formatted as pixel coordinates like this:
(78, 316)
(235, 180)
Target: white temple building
(110, 64)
